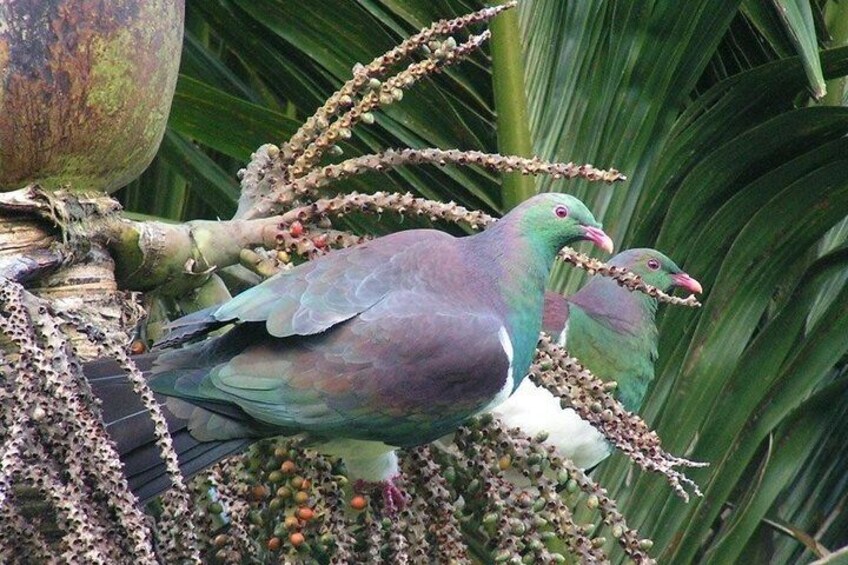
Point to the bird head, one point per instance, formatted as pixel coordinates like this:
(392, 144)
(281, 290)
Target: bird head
(559, 219)
(656, 269)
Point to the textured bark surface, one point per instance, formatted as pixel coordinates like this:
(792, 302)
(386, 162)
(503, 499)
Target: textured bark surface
(45, 245)
(85, 89)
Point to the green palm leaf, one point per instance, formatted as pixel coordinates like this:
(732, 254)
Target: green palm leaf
(740, 186)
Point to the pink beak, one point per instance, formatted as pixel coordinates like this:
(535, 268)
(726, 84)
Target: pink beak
(685, 281)
(598, 237)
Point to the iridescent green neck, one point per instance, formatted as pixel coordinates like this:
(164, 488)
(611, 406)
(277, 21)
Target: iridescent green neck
(525, 265)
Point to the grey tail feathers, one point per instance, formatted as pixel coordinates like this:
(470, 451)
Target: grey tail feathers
(191, 328)
(130, 427)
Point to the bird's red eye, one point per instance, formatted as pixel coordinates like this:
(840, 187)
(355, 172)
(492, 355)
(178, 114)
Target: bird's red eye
(561, 211)
(653, 264)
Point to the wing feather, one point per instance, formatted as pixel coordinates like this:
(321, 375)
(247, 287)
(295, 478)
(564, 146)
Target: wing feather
(319, 294)
(406, 370)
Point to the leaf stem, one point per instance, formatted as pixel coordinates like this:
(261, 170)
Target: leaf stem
(836, 17)
(511, 104)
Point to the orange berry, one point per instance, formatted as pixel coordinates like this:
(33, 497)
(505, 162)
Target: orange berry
(358, 502)
(259, 492)
(274, 544)
(288, 467)
(137, 347)
(305, 513)
(305, 485)
(291, 523)
(297, 539)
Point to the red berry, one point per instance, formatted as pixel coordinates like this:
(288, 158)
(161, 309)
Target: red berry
(320, 241)
(305, 513)
(358, 502)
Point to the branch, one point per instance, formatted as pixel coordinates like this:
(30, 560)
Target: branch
(492, 161)
(386, 93)
(630, 281)
(379, 202)
(179, 257)
(363, 75)
(577, 387)
(59, 424)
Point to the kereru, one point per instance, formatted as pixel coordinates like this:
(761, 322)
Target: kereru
(612, 332)
(391, 343)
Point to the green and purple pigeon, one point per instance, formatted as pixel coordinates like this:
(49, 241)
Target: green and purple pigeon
(392, 343)
(612, 332)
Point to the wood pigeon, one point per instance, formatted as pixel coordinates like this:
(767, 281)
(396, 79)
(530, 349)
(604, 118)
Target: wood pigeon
(612, 332)
(391, 343)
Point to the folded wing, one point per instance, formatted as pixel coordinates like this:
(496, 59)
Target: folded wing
(404, 371)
